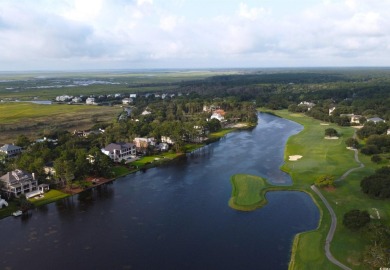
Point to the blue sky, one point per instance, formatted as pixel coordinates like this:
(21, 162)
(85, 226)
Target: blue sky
(109, 34)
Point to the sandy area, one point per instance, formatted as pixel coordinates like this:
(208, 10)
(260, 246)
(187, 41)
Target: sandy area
(331, 138)
(324, 124)
(294, 158)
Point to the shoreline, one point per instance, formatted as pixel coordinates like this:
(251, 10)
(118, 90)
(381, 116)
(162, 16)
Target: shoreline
(214, 137)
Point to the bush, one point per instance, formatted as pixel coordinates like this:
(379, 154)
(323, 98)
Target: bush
(331, 132)
(376, 159)
(378, 184)
(356, 219)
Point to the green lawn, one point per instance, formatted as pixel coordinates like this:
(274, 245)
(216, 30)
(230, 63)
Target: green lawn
(319, 157)
(247, 192)
(49, 197)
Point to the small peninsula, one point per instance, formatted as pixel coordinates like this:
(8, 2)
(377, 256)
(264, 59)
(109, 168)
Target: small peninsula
(248, 192)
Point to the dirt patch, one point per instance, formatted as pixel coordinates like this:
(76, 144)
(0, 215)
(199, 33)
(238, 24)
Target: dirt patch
(329, 189)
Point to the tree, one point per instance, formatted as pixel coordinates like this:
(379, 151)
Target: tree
(356, 219)
(331, 132)
(22, 141)
(376, 256)
(378, 184)
(376, 158)
(352, 142)
(324, 181)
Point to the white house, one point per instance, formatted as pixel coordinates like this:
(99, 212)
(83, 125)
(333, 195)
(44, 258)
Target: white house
(217, 116)
(18, 182)
(375, 120)
(119, 151)
(77, 99)
(90, 101)
(133, 96)
(166, 139)
(355, 119)
(127, 101)
(11, 150)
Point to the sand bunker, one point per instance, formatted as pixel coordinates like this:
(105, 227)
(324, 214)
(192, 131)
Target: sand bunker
(294, 158)
(331, 138)
(324, 124)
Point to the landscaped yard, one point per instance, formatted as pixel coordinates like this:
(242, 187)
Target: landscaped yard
(48, 197)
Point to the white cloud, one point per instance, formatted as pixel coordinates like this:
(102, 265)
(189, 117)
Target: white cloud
(178, 33)
(250, 13)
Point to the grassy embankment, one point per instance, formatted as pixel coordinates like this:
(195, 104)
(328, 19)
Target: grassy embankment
(319, 157)
(32, 119)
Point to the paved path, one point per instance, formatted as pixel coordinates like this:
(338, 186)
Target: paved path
(332, 229)
(333, 224)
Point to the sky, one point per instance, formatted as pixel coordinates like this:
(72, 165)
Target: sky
(164, 34)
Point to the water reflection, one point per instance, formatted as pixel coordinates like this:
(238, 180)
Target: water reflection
(172, 217)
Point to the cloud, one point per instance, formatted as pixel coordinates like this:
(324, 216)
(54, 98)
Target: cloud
(179, 33)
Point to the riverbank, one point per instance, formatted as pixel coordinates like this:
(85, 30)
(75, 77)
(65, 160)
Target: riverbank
(319, 157)
(119, 171)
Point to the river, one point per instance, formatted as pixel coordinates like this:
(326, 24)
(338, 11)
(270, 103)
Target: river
(172, 217)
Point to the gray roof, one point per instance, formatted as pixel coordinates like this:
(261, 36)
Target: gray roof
(375, 119)
(16, 177)
(9, 147)
(118, 146)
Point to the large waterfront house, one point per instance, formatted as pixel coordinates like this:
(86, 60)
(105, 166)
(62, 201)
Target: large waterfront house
(119, 151)
(18, 182)
(11, 150)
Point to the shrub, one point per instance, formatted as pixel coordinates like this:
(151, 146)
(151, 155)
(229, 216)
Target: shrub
(356, 219)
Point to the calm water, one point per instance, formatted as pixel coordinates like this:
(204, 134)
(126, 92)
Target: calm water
(172, 217)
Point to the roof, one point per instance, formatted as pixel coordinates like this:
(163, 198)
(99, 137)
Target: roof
(16, 177)
(9, 147)
(118, 146)
(375, 119)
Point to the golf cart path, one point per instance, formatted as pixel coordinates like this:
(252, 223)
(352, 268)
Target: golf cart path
(333, 224)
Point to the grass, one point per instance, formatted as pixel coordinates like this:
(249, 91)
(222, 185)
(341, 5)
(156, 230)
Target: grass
(120, 171)
(32, 119)
(49, 197)
(247, 192)
(321, 157)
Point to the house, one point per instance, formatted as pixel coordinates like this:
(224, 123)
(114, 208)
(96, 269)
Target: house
(145, 112)
(11, 150)
(355, 119)
(18, 182)
(63, 98)
(162, 147)
(119, 151)
(144, 142)
(217, 116)
(90, 101)
(307, 104)
(127, 101)
(77, 99)
(166, 139)
(375, 120)
(133, 96)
